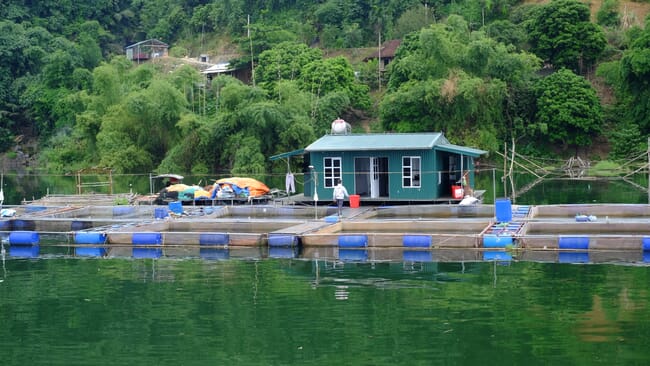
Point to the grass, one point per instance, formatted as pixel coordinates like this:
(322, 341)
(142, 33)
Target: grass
(606, 168)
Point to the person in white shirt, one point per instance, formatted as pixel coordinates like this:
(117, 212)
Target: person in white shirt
(339, 195)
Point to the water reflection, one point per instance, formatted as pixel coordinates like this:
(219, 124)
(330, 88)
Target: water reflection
(255, 309)
(3, 253)
(328, 253)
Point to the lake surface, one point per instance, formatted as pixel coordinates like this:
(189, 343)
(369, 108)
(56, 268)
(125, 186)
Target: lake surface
(64, 311)
(553, 191)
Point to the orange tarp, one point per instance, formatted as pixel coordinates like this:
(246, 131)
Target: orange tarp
(255, 187)
(177, 187)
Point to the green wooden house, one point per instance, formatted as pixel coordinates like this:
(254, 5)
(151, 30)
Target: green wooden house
(386, 167)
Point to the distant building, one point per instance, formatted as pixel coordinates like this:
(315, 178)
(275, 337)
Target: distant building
(243, 74)
(147, 50)
(385, 54)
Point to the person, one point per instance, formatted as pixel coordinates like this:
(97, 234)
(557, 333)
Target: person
(464, 182)
(339, 194)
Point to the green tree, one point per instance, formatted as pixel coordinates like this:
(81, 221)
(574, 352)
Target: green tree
(143, 124)
(335, 74)
(608, 14)
(506, 32)
(284, 62)
(22, 50)
(635, 73)
(561, 33)
(413, 20)
(569, 107)
(449, 79)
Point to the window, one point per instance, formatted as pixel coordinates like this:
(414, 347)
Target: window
(411, 171)
(332, 171)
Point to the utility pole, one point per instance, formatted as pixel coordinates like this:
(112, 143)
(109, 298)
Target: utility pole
(250, 41)
(379, 59)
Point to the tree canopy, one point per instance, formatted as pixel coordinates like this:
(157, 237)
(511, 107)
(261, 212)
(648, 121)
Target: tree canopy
(562, 34)
(456, 81)
(567, 104)
(481, 72)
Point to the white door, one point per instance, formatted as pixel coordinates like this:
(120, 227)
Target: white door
(374, 177)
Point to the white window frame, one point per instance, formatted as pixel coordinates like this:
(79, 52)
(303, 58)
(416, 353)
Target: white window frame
(411, 171)
(332, 171)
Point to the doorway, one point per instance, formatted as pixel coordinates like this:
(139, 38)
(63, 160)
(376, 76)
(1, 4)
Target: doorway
(371, 176)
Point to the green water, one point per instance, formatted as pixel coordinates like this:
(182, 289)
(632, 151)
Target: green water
(633, 190)
(69, 311)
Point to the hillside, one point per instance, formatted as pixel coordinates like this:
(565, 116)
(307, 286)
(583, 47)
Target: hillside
(67, 99)
(633, 12)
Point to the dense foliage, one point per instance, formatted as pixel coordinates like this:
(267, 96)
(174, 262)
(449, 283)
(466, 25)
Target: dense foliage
(481, 72)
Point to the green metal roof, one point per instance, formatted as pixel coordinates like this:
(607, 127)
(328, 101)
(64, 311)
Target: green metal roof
(461, 150)
(390, 141)
(377, 141)
(287, 154)
(383, 141)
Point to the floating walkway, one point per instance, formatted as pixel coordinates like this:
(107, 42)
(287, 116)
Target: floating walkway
(491, 232)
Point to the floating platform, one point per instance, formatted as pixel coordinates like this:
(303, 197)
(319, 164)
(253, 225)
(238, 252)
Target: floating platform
(554, 232)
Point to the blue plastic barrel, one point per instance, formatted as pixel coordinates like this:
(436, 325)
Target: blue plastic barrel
(573, 257)
(496, 241)
(89, 237)
(160, 213)
(23, 225)
(24, 238)
(282, 240)
(417, 256)
(646, 257)
(646, 243)
(332, 219)
(283, 252)
(147, 252)
(30, 208)
(123, 210)
(416, 241)
(503, 209)
(214, 253)
(573, 242)
(24, 251)
(146, 239)
(6, 225)
(496, 255)
(353, 241)
(80, 225)
(214, 239)
(176, 207)
(354, 255)
(90, 251)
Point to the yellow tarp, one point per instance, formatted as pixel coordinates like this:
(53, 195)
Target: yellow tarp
(201, 193)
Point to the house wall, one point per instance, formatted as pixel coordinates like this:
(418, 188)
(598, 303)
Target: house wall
(428, 178)
(429, 189)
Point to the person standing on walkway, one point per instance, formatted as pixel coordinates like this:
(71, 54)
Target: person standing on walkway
(339, 195)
